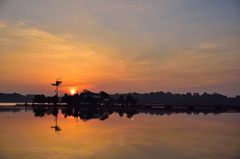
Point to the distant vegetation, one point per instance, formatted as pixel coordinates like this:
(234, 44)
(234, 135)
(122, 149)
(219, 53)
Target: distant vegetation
(161, 97)
(41, 99)
(129, 98)
(88, 97)
(15, 97)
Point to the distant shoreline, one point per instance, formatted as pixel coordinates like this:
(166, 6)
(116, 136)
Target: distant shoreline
(157, 97)
(154, 106)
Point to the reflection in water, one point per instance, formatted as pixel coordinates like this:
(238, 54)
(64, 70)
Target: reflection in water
(154, 133)
(40, 111)
(7, 109)
(14, 109)
(54, 112)
(86, 114)
(103, 113)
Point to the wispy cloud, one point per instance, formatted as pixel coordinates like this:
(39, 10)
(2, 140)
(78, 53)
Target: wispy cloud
(120, 45)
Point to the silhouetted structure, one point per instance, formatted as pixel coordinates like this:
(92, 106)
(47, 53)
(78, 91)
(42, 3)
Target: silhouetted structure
(57, 84)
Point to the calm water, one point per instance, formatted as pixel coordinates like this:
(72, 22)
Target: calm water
(143, 133)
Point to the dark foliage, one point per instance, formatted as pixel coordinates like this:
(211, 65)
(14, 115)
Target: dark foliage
(130, 98)
(15, 97)
(39, 99)
(161, 97)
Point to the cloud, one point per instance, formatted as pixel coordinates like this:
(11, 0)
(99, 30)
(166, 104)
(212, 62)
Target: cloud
(41, 53)
(48, 56)
(140, 45)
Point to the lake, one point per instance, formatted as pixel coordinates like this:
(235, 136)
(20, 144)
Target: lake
(27, 133)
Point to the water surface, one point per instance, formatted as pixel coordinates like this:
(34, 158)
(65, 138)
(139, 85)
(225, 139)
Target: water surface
(118, 133)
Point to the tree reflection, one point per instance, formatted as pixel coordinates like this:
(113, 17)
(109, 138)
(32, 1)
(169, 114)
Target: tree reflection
(103, 113)
(41, 111)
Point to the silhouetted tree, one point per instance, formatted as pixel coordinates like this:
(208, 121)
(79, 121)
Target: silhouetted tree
(121, 99)
(15, 97)
(39, 99)
(55, 99)
(161, 97)
(70, 100)
(65, 98)
(131, 100)
(86, 91)
(49, 100)
(104, 95)
(91, 100)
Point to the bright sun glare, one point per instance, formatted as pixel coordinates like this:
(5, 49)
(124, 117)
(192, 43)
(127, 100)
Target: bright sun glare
(72, 91)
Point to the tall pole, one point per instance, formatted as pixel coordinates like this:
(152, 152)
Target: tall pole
(56, 91)
(57, 84)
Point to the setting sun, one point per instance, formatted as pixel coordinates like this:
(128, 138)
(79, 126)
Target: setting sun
(73, 91)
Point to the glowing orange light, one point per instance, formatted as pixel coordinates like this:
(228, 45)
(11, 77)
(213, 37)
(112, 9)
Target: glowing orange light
(73, 91)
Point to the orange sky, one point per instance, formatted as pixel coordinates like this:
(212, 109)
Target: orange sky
(119, 47)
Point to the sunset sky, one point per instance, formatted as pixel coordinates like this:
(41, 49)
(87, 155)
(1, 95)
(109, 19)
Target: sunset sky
(120, 46)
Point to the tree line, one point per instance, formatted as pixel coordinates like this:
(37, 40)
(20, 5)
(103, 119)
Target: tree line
(168, 97)
(15, 97)
(127, 98)
(86, 97)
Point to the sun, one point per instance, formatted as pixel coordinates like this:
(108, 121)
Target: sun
(73, 91)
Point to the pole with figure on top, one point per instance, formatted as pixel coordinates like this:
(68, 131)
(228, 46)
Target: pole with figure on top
(57, 84)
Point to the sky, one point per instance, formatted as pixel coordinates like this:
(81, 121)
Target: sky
(120, 46)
